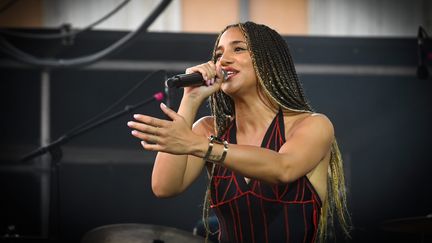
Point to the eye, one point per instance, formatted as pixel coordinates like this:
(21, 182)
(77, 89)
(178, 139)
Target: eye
(239, 48)
(218, 55)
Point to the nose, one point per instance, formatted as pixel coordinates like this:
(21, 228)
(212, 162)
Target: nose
(226, 59)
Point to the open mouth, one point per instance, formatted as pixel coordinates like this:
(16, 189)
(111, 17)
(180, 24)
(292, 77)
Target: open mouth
(230, 74)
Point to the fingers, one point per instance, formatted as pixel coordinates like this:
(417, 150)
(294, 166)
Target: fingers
(148, 138)
(147, 128)
(143, 128)
(170, 113)
(220, 75)
(151, 147)
(152, 130)
(207, 70)
(151, 121)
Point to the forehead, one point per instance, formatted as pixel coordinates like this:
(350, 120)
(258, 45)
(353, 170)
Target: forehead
(232, 34)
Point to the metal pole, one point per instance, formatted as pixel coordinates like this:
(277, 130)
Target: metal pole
(45, 137)
(244, 11)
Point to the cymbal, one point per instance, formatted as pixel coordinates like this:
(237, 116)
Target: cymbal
(415, 225)
(139, 233)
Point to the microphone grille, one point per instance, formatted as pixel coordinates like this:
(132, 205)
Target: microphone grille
(225, 74)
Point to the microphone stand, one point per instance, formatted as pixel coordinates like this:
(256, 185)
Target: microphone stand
(56, 154)
(52, 147)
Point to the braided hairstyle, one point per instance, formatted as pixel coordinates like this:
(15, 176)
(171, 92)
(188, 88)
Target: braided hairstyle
(278, 83)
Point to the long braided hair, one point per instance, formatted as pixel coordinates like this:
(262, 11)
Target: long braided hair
(279, 84)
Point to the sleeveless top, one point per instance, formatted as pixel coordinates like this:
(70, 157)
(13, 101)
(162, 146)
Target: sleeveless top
(259, 212)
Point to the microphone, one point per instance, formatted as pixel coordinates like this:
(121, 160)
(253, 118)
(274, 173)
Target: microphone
(187, 80)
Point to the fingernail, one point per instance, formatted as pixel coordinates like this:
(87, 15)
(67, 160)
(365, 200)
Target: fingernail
(135, 115)
(129, 123)
(163, 104)
(134, 132)
(143, 143)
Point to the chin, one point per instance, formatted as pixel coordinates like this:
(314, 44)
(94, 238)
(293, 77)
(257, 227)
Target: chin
(228, 89)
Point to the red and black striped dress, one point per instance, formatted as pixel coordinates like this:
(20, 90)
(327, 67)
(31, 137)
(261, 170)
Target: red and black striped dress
(259, 212)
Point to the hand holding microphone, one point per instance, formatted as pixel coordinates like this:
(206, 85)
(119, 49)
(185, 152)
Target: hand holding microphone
(199, 82)
(189, 80)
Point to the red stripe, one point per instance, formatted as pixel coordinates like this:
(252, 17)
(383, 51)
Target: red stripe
(271, 137)
(226, 191)
(298, 189)
(222, 223)
(286, 223)
(216, 193)
(265, 221)
(276, 132)
(237, 185)
(277, 192)
(217, 172)
(239, 221)
(284, 191)
(314, 192)
(254, 184)
(315, 221)
(274, 190)
(305, 224)
(281, 138)
(222, 177)
(234, 221)
(262, 198)
(250, 219)
(225, 171)
(304, 186)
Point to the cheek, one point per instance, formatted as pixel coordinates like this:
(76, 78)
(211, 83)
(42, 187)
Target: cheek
(252, 75)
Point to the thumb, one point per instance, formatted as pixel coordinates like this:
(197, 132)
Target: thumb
(220, 74)
(170, 113)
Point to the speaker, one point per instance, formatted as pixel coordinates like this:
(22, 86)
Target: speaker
(21, 202)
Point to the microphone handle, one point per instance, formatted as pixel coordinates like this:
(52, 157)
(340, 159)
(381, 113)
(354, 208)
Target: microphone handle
(185, 80)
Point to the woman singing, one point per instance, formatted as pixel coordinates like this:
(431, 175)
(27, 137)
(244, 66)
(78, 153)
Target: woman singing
(274, 167)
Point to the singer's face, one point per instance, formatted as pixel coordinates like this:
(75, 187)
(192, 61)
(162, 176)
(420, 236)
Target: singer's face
(233, 56)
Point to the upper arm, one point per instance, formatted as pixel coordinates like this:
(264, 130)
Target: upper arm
(306, 145)
(204, 127)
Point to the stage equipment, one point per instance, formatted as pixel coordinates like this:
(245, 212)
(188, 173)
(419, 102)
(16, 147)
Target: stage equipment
(139, 233)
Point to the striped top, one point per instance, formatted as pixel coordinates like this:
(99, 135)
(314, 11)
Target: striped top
(259, 212)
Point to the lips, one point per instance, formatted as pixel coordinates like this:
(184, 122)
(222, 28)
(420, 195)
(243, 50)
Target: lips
(230, 72)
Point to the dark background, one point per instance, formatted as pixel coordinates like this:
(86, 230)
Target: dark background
(382, 121)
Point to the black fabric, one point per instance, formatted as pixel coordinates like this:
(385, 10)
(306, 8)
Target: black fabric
(259, 212)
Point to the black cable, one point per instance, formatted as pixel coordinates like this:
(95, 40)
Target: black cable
(133, 89)
(422, 69)
(422, 35)
(7, 5)
(24, 57)
(72, 33)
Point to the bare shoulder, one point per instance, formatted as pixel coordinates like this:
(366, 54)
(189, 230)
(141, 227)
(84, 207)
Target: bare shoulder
(315, 124)
(204, 126)
(320, 120)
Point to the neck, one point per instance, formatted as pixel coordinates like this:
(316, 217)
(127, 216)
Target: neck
(252, 115)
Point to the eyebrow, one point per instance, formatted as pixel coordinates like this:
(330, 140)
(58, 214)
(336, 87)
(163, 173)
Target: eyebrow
(233, 43)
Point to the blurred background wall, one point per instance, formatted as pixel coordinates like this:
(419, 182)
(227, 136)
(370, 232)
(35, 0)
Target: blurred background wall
(291, 17)
(356, 59)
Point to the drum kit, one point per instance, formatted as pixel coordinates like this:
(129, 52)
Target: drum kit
(413, 225)
(139, 233)
(420, 228)
(146, 233)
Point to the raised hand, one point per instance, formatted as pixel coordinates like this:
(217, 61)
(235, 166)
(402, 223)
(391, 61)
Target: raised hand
(175, 136)
(213, 78)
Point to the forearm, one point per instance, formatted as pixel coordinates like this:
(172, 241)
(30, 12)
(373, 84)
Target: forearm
(251, 161)
(168, 178)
